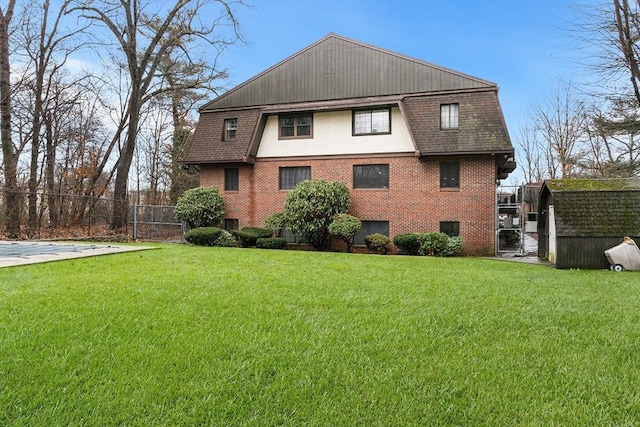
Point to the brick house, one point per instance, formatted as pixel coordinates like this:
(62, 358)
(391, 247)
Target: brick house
(419, 146)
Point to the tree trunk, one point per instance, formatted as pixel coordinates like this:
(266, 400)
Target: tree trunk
(50, 170)
(10, 157)
(120, 196)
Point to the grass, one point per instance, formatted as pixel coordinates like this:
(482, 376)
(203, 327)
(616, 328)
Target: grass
(214, 336)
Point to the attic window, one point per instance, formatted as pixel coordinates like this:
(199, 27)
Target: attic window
(230, 126)
(372, 122)
(298, 126)
(449, 116)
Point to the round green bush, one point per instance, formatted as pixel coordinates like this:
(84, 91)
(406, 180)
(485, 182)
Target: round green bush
(249, 235)
(345, 227)
(201, 207)
(311, 206)
(271, 243)
(226, 240)
(408, 244)
(440, 244)
(203, 236)
(377, 243)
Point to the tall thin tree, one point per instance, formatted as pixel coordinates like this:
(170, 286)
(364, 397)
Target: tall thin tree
(9, 152)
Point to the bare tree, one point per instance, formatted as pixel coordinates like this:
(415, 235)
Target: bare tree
(560, 121)
(533, 153)
(9, 152)
(45, 48)
(145, 38)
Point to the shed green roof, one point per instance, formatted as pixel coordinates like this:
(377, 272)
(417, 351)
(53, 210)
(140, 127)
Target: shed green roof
(594, 207)
(586, 184)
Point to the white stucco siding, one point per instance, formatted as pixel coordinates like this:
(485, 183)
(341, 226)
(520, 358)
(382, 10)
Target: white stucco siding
(332, 135)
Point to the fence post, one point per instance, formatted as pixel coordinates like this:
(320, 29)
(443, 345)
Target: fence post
(135, 221)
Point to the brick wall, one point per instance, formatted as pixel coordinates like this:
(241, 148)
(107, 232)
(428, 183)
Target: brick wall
(414, 201)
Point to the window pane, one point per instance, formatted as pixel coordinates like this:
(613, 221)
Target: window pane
(450, 228)
(371, 176)
(370, 227)
(290, 176)
(230, 224)
(286, 126)
(362, 122)
(449, 175)
(380, 121)
(230, 126)
(371, 122)
(304, 126)
(449, 116)
(231, 179)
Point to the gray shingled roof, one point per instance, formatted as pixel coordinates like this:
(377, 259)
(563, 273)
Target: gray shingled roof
(336, 68)
(336, 73)
(595, 207)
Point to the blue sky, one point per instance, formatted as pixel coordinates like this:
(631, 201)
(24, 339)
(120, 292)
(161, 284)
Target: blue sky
(524, 46)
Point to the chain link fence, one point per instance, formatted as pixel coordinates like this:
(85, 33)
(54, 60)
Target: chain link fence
(156, 223)
(75, 216)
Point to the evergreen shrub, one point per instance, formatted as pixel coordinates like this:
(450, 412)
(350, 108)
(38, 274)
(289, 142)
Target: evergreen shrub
(271, 243)
(249, 235)
(377, 243)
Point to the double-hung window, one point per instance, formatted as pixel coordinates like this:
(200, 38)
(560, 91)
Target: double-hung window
(296, 126)
(371, 176)
(290, 176)
(231, 179)
(230, 127)
(449, 116)
(450, 175)
(372, 122)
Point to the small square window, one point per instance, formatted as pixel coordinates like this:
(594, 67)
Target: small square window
(372, 122)
(450, 175)
(299, 126)
(371, 176)
(231, 179)
(230, 224)
(449, 116)
(230, 127)
(450, 228)
(290, 176)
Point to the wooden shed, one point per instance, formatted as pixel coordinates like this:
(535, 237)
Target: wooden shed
(578, 219)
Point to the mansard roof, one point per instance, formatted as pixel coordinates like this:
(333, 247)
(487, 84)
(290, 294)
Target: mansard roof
(337, 68)
(336, 73)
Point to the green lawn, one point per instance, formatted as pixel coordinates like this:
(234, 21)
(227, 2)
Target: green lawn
(184, 336)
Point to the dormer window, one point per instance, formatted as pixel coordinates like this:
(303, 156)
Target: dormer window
(372, 122)
(449, 116)
(230, 126)
(296, 126)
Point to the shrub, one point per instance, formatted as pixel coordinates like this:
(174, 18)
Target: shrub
(203, 236)
(275, 222)
(271, 243)
(439, 244)
(408, 244)
(200, 207)
(454, 246)
(377, 243)
(249, 235)
(311, 206)
(226, 239)
(345, 227)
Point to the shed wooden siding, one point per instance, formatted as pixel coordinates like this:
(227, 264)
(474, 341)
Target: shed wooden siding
(591, 216)
(585, 253)
(338, 68)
